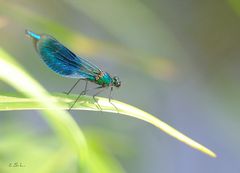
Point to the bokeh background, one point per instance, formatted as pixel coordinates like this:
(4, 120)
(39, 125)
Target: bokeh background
(178, 60)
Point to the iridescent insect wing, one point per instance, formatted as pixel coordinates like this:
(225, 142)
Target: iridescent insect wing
(63, 61)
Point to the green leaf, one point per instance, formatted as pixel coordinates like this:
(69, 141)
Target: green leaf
(61, 121)
(88, 103)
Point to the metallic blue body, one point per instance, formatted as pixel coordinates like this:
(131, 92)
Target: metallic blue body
(65, 63)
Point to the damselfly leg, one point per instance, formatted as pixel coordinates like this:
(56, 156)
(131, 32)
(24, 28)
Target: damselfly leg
(72, 87)
(82, 93)
(109, 99)
(94, 96)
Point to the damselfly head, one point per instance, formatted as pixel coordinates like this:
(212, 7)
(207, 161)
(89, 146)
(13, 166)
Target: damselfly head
(116, 81)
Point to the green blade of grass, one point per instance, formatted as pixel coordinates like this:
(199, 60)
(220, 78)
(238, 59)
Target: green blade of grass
(88, 103)
(61, 121)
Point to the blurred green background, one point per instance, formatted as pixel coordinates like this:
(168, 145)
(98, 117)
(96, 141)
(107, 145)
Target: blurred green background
(178, 60)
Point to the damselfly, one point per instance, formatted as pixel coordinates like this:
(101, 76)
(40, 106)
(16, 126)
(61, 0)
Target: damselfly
(67, 64)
